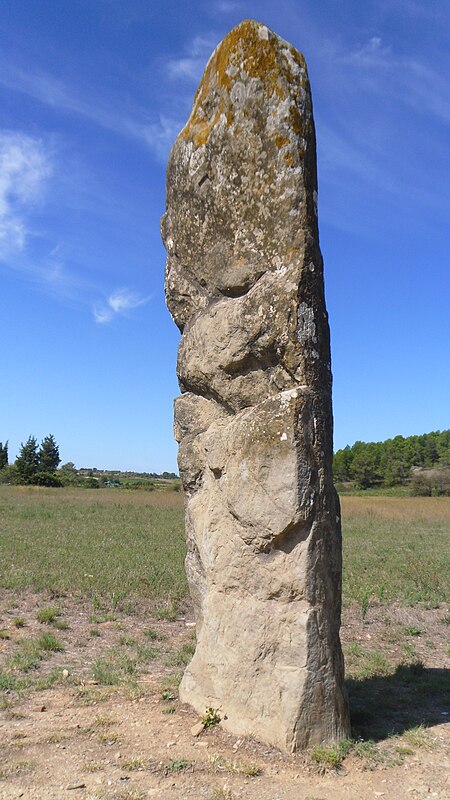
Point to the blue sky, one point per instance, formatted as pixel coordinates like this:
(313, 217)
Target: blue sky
(93, 93)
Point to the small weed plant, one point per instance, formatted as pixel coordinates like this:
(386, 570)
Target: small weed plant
(177, 766)
(328, 757)
(49, 643)
(413, 630)
(211, 717)
(47, 615)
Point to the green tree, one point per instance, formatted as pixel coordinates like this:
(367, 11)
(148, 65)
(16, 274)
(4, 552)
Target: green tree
(48, 455)
(342, 462)
(365, 468)
(395, 473)
(3, 455)
(27, 462)
(69, 467)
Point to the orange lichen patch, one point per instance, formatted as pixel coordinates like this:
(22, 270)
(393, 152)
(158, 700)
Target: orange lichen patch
(298, 57)
(280, 140)
(258, 57)
(198, 128)
(242, 53)
(288, 159)
(296, 120)
(202, 129)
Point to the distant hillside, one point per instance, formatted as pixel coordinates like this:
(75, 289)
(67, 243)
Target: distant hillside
(396, 461)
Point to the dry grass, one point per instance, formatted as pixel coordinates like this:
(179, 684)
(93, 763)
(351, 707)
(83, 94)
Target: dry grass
(406, 509)
(396, 548)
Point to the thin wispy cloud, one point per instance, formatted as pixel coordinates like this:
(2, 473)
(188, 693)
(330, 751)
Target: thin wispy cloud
(407, 79)
(25, 167)
(157, 135)
(161, 135)
(375, 107)
(371, 54)
(340, 153)
(120, 302)
(190, 65)
(226, 6)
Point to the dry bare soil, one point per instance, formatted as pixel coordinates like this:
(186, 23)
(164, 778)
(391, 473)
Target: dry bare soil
(89, 705)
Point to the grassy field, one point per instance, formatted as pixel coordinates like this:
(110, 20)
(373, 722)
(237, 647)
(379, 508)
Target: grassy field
(92, 604)
(110, 543)
(396, 548)
(115, 543)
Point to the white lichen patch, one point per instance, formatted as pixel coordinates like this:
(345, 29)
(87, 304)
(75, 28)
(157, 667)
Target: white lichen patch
(295, 68)
(306, 331)
(287, 396)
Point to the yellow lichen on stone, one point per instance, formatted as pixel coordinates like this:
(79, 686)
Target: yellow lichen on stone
(280, 140)
(296, 120)
(248, 51)
(244, 49)
(198, 128)
(288, 159)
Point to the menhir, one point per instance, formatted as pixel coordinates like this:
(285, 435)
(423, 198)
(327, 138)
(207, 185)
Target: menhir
(244, 284)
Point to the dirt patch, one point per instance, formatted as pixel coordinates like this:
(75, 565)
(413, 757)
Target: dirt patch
(67, 732)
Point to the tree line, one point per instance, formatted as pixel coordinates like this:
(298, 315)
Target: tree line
(39, 465)
(395, 462)
(35, 465)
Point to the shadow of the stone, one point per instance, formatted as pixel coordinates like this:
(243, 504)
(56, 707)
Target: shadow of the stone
(383, 705)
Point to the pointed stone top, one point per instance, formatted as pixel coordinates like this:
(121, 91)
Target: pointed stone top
(249, 54)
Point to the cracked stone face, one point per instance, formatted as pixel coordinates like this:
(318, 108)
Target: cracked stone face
(244, 284)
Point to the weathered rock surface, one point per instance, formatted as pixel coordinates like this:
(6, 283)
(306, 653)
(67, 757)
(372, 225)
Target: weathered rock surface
(244, 284)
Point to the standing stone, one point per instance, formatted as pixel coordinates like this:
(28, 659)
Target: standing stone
(244, 284)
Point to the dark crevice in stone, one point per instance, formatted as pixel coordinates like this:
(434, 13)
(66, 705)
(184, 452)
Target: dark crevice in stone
(251, 362)
(235, 291)
(288, 539)
(207, 394)
(203, 180)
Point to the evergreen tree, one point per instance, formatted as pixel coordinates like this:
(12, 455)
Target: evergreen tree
(48, 455)
(365, 465)
(342, 463)
(27, 462)
(49, 459)
(3, 455)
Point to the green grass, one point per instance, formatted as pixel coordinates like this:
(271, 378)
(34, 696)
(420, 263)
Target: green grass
(47, 615)
(20, 669)
(49, 643)
(182, 656)
(153, 634)
(110, 544)
(330, 757)
(26, 657)
(396, 548)
(115, 667)
(116, 544)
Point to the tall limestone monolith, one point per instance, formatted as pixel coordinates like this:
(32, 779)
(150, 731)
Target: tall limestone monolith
(244, 284)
